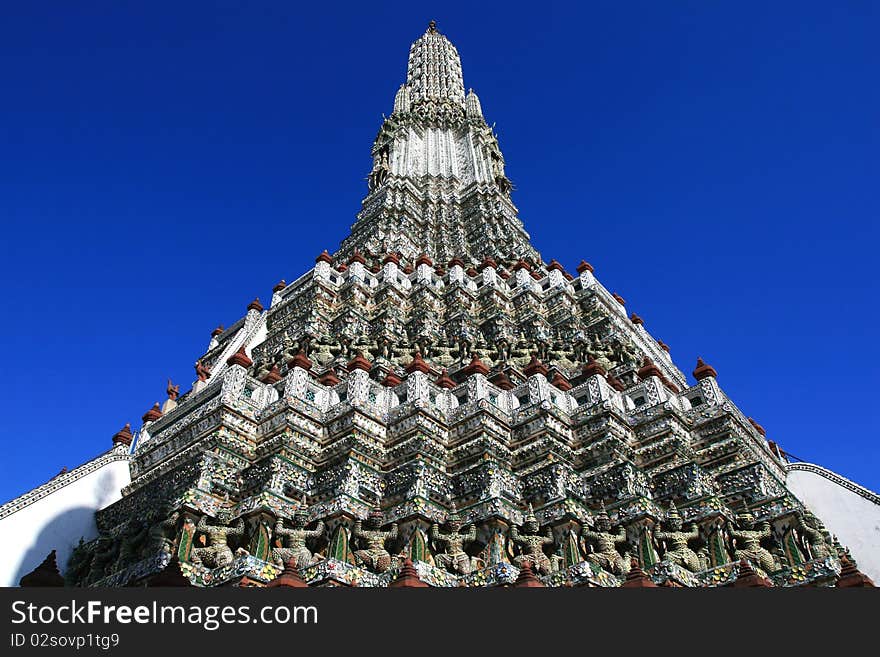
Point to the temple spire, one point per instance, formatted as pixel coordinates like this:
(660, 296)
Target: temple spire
(434, 69)
(437, 185)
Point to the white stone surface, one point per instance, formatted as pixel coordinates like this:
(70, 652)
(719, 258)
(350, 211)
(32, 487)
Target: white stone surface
(55, 515)
(848, 510)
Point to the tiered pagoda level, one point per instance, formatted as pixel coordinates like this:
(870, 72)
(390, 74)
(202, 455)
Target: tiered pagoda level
(435, 391)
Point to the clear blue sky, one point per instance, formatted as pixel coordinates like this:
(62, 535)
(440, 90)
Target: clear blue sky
(163, 163)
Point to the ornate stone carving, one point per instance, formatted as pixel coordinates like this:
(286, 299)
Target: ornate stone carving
(294, 549)
(374, 555)
(601, 546)
(531, 544)
(453, 541)
(676, 542)
(747, 542)
(217, 552)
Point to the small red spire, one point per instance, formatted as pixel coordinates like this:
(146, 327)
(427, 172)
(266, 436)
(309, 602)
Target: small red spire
(329, 378)
(123, 435)
(584, 266)
(417, 364)
(300, 360)
(408, 270)
(560, 381)
(272, 376)
(444, 380)
(280, 285)
(619, 299)
(526, 577)
(636, 578)
(592, 367)
(554, 265)
(852, 577)
(255, 305)
(635, 319)
(535, 367)
(408, 577)
(439, 271)
(616, 383)
(776, 449)
(217, 332)
(288, 577)
(648, 368)
(476, 366)
(341, 267)
(536, 275)
(357, 257)
(747, 577)
(391, 379)
(704, 371)
(424, 260)
(153, 414)
(375, 268)
(669, 384)
(202, 372)
(521, 264)
(488, 261)
(359, 363)
(504, 275)
(758, 427)
(456, 262)
(240, 357)
(471, 272)
(324, 257)
(502, 381)
(391, 257)
(663, 346)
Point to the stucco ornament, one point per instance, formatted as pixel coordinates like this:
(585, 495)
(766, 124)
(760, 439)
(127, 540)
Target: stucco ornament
(604, 545)
(374, 556)
(218, 552)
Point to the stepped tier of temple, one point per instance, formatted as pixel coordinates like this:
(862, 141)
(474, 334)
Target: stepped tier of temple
(435, 403)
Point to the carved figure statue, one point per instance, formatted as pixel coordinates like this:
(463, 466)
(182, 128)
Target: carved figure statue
(676, 541)
(172, 390)
(579, 346)
(78, 565)
(531, 544)
(465, 342)
(502, 350)
(605, 554)
(818, 539)
(106, 550)
(374, 556)
(130, 543)
(748, 542)
(162, 532)
(624, 353)
(217, 553)
(296, 548)
(453, 557)
(601, 354)
(522, 348)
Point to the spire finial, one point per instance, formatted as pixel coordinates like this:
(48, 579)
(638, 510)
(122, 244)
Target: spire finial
(432, 27)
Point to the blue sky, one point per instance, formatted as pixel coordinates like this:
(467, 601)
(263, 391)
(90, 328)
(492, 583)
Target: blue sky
(163, 163)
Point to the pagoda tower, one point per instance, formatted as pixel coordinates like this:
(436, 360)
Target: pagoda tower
(434, 403)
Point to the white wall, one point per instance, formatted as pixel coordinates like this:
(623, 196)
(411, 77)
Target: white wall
(58, 518)
(854, 517)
